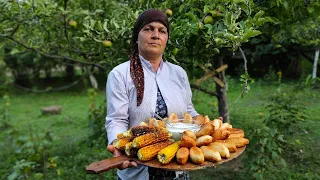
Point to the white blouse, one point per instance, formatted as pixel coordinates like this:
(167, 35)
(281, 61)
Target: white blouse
(122, 109)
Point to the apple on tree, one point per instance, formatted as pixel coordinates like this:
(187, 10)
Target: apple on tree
(208, 20)
(107, 43)
(169, 12)
(73, 23)
(175, 51)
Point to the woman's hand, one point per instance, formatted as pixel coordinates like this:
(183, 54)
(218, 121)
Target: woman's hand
(116, 152)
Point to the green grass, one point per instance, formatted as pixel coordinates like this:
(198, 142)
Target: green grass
(70, 128)
(26, 113)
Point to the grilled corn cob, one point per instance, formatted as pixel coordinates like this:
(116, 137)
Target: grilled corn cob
(121, 143)
(149, 138)
(168, 153)
(130, 151)
(149, 152)
(136, 131)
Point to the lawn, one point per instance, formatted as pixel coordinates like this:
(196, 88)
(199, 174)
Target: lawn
(70, 129)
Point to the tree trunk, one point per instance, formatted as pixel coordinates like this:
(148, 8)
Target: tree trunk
(69, 72)
(315, 63)
(222, 94)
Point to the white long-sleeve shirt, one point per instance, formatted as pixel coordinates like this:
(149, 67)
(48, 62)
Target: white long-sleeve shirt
(122, 109)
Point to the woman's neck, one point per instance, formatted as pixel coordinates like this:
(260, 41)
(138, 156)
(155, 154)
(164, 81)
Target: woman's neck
(154, 61)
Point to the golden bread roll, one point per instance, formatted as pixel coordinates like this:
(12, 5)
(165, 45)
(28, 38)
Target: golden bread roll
(200, 119)
(210, 154)
(190, 134)
(159, 123)
(206, 119)
(236, 136)
(220, 134)
(143, 124)
(236, 133)
(196, 155)
(182, 155)
(203, 140)
(231, 147)
(173, 118)
(151, 121)
(165, 119)
(206, 129)
(217, 123)
(187, 118)
(226, 126)
(239, 142)
(187, 142)
(223, 150)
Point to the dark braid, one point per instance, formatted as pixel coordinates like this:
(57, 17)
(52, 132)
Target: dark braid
(136, 72)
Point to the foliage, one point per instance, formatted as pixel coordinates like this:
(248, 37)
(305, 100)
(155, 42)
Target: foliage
(30, 153)
(70, 132)
(265, 152)
(310, 82)
(285, 113)
(269, 142)
(234, 23)
(27, 66)
(44, 27)
(5, 80)
(32, 157)
(4, 113)
(97, 133)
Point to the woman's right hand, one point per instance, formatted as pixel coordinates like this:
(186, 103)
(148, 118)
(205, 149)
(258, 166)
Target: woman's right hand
(116, 152)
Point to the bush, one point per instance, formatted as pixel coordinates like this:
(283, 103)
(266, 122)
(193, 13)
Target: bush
(97, 132)
(269, 141)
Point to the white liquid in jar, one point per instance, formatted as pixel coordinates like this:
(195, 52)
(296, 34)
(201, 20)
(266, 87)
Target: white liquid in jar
(177, 129)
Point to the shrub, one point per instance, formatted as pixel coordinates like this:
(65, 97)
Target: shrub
(268, 142)
(97, 132)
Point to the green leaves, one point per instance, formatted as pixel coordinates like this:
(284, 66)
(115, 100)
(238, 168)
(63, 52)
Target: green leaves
(249, 34)
(258, 15)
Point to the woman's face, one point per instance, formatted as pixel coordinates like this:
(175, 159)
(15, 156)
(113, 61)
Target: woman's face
(152, 39)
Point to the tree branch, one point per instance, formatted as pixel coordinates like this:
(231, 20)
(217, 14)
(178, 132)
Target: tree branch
(212, 93)
(14, 30)
(52, 89)
(50, 55)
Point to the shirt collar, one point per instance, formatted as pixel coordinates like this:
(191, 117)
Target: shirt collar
(147, 64)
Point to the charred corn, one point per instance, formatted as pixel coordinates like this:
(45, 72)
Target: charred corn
(141, 130)
(121, 143)
(149, 138)
(130, 151)
(136, 131)
(168, 153)
(149, 152)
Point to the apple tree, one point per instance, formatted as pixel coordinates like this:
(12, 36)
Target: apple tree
(93, 35)
(205, 32)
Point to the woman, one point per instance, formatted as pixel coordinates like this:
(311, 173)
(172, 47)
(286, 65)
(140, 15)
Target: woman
(145, 85)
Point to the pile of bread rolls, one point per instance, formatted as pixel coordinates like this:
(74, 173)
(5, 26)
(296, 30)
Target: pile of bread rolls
(215, 140)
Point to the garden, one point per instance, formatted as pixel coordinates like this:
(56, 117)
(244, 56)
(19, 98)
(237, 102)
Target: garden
(252, 62)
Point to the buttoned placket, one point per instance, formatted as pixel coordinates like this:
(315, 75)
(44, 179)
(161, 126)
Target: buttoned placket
(156, 76)
(160, 84)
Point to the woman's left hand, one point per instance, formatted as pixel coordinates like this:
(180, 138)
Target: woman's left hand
(116, 152)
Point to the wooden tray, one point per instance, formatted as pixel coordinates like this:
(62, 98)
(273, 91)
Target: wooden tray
(105, 165)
